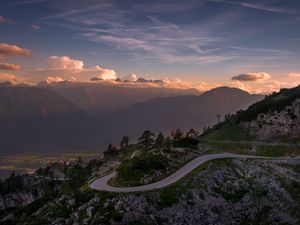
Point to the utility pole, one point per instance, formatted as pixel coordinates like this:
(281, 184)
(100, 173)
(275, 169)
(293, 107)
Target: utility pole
(218, 116)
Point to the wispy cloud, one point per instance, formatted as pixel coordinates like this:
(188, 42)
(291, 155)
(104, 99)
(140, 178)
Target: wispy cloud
(261, 7)
(7, 20)
(28, 2)
(7, 66)
(35, 27)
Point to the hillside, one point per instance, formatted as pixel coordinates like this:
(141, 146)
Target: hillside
(34, 119)
(185, 112)
(275, 118)
(222, 191)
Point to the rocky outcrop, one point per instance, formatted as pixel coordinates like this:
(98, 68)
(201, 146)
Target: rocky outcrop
(18, 199)
(275, 124)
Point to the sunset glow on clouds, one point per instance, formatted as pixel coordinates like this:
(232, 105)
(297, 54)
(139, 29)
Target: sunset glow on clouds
(65, 68)
(7, 50)
(65, 62)
(186, 44)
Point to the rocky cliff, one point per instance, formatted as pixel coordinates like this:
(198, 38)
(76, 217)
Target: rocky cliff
(273, 125)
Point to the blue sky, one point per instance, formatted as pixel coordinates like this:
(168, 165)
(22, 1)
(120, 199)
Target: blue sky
(195, 40)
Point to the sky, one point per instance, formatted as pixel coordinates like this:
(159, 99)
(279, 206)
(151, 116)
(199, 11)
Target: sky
(253, 45)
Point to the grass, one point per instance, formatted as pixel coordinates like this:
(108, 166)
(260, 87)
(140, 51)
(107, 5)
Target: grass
(245, 148)
(228, 132)
(277, 150)
(219, 147)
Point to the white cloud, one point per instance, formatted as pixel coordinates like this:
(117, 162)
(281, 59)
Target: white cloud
(131, 77)
(65, 62)
(70, 69)
(53, 79)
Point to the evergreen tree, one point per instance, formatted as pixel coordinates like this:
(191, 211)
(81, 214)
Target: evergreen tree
(192, 132)
(160, 140)
(146, 140)
(178, 134)
(167, 144)
(124, 142)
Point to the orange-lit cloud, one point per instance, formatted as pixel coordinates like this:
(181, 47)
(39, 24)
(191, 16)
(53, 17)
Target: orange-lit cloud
(294, 75)
(53, 79)
(262, 76)
(65, 62)
(7, 77)
(70, 69)
(7, 66)
(6, 49)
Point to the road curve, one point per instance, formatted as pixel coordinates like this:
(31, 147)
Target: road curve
(101, 183)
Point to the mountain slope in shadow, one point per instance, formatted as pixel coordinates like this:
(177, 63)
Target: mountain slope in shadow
(185, 112)
(34, 119)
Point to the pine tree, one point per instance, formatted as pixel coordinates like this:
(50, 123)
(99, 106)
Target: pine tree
(192, 132)
(124, 142)
(146, 140)
(168, 144)
(160, 140)
(178, 134)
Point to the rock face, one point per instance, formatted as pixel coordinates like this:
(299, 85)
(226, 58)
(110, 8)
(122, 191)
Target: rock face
(12, 200)
(276, 124)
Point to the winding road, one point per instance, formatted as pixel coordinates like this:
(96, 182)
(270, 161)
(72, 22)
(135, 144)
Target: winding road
(101, 183)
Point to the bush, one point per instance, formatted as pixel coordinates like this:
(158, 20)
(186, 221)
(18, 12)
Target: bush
(186, 142)
(131, 171)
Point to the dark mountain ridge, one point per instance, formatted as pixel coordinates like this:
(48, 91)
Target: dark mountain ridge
(185, 112)
(34, 119)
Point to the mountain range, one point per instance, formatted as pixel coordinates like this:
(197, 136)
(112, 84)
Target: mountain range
(40, 119)
(35, 119)
(99, 99)
(184, 112)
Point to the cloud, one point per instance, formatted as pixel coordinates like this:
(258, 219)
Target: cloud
(7, 77)
(256, 6)
(131, 77)
(105, 74)
(54, 79)
(7, 20)
(70, 69)
(294, 75)
(35, 27)
(7, 66)
(65, 62)
(6, 49)
(252, 77)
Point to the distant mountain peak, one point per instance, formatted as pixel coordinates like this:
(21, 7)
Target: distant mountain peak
(226, 89)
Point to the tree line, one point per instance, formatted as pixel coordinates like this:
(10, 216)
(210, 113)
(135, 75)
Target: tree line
(148, 140)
